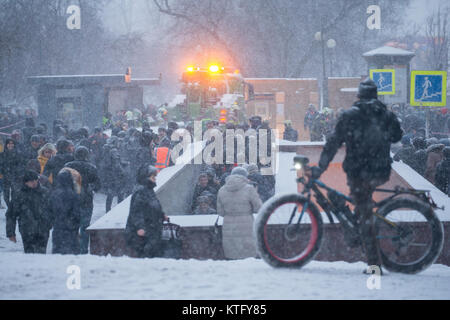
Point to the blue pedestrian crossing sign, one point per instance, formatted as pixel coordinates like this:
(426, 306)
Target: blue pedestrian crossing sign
(384, 79)
(428, 88)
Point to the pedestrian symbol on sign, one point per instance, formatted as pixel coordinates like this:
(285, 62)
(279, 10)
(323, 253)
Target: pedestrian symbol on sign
(384, 79)
(428, 88)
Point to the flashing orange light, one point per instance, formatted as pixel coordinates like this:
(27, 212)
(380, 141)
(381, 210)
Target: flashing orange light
(214, 68)
(223, 119)
(190, 69)
(223, 111)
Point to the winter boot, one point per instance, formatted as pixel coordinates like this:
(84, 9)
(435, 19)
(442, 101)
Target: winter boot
(370, 245)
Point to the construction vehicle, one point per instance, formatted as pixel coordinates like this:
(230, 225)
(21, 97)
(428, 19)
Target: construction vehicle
(213, 93)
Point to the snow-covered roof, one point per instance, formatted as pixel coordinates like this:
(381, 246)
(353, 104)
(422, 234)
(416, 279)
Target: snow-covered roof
(388, 51)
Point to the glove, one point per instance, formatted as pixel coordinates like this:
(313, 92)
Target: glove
(316, 172)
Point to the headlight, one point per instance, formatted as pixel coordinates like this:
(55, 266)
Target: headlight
(298, 166)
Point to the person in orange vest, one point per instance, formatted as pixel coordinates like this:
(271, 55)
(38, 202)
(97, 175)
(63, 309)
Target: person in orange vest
(163, 160)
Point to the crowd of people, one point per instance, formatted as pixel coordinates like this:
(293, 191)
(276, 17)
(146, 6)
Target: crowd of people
(35, 165)
(48, 179)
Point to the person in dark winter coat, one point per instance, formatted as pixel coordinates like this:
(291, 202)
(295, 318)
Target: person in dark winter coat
(368, 129)
(434, 156)
(29, 130)
(29, 206)
(310, 115)
(145, 220)
(64, 154)
(442, 176)
(97, 141)
(144, 154)
(263, 188)
(200, 187)
(12, 165)
(213, 183)
(114, 176)
(406, 153)
(163, 140)
(289, 134)
(64, 205)
(419, 161)
(90, 182)
(318, 128)
(31, 149)
(35, 166)
(204, 206)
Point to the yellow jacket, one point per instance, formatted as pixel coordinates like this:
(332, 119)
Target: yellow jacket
(43, 161)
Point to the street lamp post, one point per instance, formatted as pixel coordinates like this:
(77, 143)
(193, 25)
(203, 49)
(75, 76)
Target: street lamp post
(330, 43)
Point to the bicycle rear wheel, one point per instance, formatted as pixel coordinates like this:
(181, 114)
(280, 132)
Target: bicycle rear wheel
(409, 234)
(287, 234)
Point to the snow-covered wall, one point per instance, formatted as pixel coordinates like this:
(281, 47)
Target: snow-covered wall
(175, 186)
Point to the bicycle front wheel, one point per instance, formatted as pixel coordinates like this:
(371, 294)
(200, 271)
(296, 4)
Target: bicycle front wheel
(288, 232)
(409, 235)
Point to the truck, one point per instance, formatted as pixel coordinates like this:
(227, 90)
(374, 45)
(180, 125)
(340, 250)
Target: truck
(213, 93)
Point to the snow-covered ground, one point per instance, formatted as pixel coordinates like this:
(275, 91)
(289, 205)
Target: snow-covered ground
(47, 276)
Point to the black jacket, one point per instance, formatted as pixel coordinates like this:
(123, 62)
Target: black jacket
(368, 129)
(27, 132)
(89, 181)
(145, 213)
(419, 161)
(264, 188)
(144, 157)
(12, 165)
(290, 134)
(64, 205)
(56, 163)
(114, 175)
(30, 152)
(442, 177)
(199, 190)
(30, 207)
(406, 154)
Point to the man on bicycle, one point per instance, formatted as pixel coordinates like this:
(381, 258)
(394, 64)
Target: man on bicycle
(368, 129)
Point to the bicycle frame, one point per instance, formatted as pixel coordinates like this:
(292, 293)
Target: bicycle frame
(323, 201)
(349, 222)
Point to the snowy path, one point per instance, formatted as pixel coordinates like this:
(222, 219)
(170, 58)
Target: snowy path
(45, 277)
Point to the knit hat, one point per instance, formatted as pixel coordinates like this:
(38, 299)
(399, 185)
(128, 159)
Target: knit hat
(35, 138)
(30, 176)
(367, 89)
(240, 171)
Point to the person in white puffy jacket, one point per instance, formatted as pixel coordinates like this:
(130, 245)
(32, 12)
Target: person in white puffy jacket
(237, 200)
